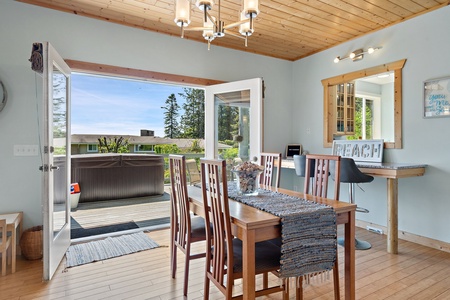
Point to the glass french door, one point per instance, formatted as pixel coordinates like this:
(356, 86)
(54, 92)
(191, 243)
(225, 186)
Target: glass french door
(234, 121)
(56, 159)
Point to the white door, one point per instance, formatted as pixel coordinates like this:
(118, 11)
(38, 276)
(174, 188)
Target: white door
(56, 159)
(245, 97)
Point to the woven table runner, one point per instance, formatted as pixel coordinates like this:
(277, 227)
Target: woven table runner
(308, 230)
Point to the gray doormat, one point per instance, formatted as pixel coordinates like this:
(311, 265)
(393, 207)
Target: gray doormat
(110, 247)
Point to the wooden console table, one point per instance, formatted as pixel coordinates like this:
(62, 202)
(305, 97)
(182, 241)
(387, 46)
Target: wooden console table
(392, 172)
(13, 221)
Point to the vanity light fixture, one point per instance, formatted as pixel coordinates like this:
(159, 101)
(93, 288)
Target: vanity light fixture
(215, 27)
(357, 54)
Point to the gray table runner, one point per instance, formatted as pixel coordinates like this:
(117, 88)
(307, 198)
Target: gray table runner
(308, 230)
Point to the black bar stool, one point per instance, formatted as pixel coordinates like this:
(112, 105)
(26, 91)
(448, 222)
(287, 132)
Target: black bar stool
(300, 166)
(352, 175)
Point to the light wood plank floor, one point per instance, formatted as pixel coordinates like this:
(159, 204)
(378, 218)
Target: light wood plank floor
(417, 272)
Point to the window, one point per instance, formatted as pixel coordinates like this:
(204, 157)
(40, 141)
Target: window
(144, 148)
(367, 118)
(92, 148)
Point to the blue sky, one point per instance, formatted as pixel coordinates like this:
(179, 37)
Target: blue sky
(107, 105)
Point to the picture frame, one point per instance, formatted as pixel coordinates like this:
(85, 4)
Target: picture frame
(436, 98)
(293, 149)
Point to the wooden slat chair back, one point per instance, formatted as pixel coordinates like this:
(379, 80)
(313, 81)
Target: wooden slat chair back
(320, 188)
(185, 229)
(321, 175)
(270, 161)
(221, 267)
(5, 244)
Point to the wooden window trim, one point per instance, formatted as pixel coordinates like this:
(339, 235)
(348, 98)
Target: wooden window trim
(109, 70)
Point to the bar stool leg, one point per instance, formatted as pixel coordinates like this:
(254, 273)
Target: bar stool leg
(359, 244)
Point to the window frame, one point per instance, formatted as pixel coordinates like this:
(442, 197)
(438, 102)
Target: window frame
(92, 151)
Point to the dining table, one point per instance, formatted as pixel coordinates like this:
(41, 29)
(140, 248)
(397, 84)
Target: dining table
(252, 225)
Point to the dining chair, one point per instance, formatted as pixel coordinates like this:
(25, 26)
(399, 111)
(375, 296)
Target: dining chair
(5, 244)
(192, 171)
(224, 252)
(321, 172)
(270, 161)
(185, 228)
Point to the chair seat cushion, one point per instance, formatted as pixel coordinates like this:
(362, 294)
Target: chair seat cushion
(198, 228)
(351, 174)
(267, 257)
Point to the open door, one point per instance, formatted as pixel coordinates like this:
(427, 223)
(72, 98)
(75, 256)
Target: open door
(245, 98)
(56, 159)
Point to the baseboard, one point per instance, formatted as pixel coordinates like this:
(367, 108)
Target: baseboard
(403, 235)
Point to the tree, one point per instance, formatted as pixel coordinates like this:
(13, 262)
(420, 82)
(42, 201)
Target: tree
(193, 119)
(118, 145)
(359, 117)
(171, 129)
(228, 122)
(59, 105)
(195, 147)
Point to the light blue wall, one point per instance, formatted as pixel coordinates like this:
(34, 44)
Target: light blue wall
(423, 201)
(90, 40)
(294, 95)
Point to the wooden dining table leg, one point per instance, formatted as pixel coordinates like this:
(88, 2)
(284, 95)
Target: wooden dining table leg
(248, 264)
(349, 247)
(392, 221)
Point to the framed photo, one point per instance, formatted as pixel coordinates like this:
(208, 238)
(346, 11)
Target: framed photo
(436, 98)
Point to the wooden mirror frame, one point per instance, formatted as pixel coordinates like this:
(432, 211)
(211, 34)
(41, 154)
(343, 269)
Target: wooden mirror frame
(328, 111)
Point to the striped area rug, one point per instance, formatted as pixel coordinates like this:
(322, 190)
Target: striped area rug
(110, 247)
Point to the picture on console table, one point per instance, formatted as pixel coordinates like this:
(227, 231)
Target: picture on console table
(436, 98)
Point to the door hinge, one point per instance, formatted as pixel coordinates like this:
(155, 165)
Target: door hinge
(43, 168)
(46, 149)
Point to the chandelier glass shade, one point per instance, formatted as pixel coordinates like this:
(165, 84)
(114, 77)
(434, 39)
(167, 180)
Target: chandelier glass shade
(213, 26)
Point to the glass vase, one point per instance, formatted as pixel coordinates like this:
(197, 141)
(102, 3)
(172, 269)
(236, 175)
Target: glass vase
(247, 182)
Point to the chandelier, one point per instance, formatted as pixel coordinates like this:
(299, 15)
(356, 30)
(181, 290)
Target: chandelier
(215, 27)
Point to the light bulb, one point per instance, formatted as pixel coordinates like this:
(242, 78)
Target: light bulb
(337, 59)
(370, 50)
(352, 55)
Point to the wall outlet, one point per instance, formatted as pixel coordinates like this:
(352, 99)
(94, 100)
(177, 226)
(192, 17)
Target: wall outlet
(26, 150)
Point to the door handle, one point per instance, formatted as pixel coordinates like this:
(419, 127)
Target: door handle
(52, 167)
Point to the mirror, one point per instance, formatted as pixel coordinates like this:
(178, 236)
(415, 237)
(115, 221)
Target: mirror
(348, 88)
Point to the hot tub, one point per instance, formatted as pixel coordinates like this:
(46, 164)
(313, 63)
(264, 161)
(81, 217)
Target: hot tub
(112, 176)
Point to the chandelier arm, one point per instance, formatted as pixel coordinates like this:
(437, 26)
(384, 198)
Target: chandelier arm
(235, 35)
(208, 16)
(235, 24)
(197, 28)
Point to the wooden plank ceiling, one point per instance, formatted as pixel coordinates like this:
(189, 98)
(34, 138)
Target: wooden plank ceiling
(285, 29)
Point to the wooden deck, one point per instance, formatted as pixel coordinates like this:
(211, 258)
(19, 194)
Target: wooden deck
(152, 212)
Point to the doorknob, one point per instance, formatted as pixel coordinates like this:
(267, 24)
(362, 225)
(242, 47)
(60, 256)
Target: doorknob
(45, 168)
